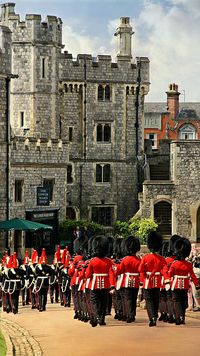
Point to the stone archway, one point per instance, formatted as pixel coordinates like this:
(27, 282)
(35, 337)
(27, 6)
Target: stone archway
(198, 225)
(163, 216)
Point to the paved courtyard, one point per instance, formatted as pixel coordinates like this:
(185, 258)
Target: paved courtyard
(55, 332)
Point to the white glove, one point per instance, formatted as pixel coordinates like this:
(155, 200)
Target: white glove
(167, 286)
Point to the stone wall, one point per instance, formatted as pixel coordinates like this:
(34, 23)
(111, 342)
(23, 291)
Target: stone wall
(182, 191)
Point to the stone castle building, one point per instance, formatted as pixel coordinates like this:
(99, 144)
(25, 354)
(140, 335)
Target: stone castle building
(76, 126)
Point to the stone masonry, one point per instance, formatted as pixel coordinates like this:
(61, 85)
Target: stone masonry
(56, 96)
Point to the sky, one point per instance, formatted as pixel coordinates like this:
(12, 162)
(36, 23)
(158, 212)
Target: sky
(165, 31)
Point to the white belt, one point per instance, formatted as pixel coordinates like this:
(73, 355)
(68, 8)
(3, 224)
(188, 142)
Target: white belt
(129, 275)
(147, 279)
(42, 277)
(176, 276)
(80, 285)
(95, 275)
(119, 281)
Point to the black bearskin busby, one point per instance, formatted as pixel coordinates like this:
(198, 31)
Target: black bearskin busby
(182, 248)
(117, 247)
(154, 241)
(164, 251)
(100, 246)
(172, 242)
(131, 245)
(80, 245)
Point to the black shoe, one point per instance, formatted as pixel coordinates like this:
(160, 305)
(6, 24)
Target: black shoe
(123, 318)
(161, 318)
(116, 317)
(129, 320)
(152, 322)
(33, 307)
(15, 311)
(40, 309)
(51, 300)
(76, 316)
(182, 320)
(119, 317)
(7, 310)
(171, 320)
(68, 305)
(178, 321)
(93, 323)
(23, 303)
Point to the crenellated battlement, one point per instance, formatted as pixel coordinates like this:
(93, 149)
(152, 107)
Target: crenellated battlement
(33, 28)
(39, 151)
(86, 67)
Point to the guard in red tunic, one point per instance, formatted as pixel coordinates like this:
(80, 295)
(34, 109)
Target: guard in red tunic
(171, 257)
(129, 268)
(150, 270)
(182, 272)
(100, 270)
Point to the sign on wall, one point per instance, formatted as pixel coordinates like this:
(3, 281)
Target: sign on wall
(43, 196)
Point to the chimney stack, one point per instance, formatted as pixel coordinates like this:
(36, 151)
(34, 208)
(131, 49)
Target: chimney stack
(173, 100)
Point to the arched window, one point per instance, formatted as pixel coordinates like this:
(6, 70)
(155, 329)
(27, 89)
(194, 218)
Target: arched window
(163, 217)
(102, 173)
(99, 132)
(107, 133)
(71, 88)
(107, 92)
(187, 132)
(100, 93)
(106, 173)
(65, 88)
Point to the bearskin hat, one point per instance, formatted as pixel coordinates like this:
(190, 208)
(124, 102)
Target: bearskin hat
(164, 251)
(154, 241)
(182, 248)
(131, 245)
(117, 247)
(80, 245)
(90, 246)
(100, 246)
(172, 242)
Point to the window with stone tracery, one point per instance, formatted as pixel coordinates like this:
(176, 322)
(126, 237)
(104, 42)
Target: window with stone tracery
(103, 132)
(102, 173)
(104, 92)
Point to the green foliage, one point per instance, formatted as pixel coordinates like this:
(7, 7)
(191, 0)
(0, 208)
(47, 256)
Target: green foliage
(141, 228)
(135, 227)
(121, 228)
(67, 227)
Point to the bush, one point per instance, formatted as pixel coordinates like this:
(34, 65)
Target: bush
(135, 227)
(68, 226)
(141, 228)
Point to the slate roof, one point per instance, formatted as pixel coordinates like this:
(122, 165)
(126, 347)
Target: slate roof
(189, 111)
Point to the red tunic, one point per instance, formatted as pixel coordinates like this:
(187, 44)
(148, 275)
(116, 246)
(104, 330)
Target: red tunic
(151, 268)
(73, 271)
(182, 272)
(129, 267)
(101, 272)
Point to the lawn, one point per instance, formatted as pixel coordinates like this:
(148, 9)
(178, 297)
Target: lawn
(2, 345)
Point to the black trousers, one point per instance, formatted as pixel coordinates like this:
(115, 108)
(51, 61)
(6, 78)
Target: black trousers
(54, 289)
(130, 295)
(99, 299)
(180, 301)
(42, 298)
(152, 297)
(15, 300)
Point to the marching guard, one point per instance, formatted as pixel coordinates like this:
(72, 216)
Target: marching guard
(150, 269)
(42, 272)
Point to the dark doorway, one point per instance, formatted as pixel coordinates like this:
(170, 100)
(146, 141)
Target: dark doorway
(70, 213)
(163, 217)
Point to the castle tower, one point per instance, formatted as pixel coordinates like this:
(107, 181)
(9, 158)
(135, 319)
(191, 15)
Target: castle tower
(124, 33)
(173, 100)
(36, 48)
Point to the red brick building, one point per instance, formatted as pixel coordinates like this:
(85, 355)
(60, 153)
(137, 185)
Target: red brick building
(171, 120)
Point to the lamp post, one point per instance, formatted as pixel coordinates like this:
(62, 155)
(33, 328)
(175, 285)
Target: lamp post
(7, 81)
